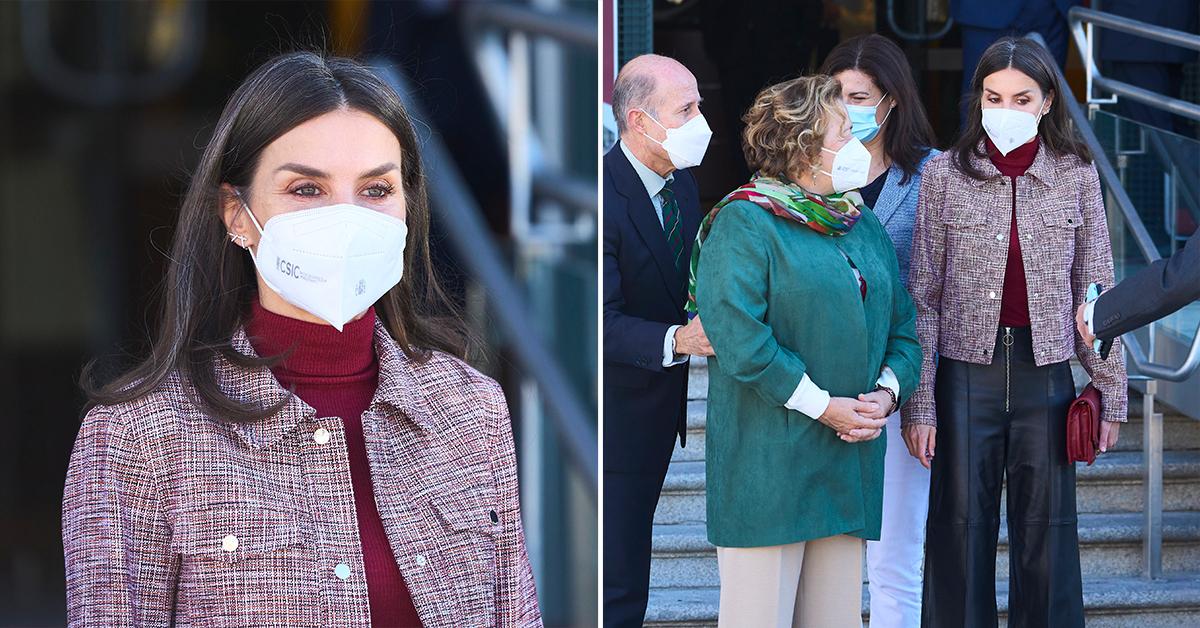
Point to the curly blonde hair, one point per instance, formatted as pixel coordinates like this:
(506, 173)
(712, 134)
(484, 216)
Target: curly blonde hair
(785, 127)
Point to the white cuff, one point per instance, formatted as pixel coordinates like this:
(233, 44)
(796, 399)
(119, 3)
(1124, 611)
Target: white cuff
(670, 358)
(808, 399)
(1087, 315)
(888, 379)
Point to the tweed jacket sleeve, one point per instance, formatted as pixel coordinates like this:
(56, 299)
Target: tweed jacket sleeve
(516, 594)
(925, 285)
(1094, 263)
(122, 571)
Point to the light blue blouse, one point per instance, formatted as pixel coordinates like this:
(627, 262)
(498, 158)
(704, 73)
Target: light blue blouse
(896, 209)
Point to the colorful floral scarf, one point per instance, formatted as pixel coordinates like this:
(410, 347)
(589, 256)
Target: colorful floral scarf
(832, 215)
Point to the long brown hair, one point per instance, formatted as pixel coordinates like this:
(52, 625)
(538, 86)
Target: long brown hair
(1056, 131)
(209, 285)
(907, 135)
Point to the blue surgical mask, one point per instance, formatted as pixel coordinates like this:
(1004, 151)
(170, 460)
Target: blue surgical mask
(862, 120)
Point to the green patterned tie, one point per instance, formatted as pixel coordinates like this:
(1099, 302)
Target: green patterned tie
(670, 215)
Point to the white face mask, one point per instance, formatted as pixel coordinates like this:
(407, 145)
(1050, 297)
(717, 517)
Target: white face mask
(686, 144)
(333, 262)
(1009, 128)
(851, 165)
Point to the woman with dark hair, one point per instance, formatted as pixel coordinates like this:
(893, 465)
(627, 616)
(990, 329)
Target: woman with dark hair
(1010, 233)
(304, 445)
(887, 116)
(815, 345)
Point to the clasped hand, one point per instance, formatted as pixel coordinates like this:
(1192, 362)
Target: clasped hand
(858, 420)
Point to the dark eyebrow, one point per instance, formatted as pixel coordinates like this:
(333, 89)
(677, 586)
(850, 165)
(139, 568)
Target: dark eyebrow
(378, 170)
(318, 174)
(304, 170)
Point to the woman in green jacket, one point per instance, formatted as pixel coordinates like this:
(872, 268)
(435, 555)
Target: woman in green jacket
(815, 344)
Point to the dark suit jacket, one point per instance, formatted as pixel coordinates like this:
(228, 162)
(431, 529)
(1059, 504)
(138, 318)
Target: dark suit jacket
(1177, 14)
(1003, 14)
(644, 404)
(1152, 293)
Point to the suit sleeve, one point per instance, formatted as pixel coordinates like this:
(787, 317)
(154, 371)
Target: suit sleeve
(516, 593)
(1152, 293)
(925, 277)
(731, 290)
(116, 539)
(628, 339)
(1094, 264)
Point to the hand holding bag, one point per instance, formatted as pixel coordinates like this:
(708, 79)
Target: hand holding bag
(1083, 426)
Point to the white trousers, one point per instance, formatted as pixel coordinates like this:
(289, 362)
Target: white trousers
(895, 562)
(813, 584)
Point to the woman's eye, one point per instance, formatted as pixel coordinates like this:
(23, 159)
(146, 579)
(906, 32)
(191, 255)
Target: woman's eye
(306, 190)
(379, 191)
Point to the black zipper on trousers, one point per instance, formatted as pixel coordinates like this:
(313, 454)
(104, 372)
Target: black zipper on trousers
(1008, 342)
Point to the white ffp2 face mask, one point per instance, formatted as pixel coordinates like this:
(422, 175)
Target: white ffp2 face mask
(851, 166)
(1009, 128)
(333, 262)
(685, 145)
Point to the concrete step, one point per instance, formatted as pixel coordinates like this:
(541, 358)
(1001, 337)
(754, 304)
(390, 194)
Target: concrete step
(1172, 602)
(1110, 546)
(1112, 484)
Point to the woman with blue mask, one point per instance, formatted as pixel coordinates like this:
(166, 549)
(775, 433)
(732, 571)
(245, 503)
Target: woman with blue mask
(887, 116)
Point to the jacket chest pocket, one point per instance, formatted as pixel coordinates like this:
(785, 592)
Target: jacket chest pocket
(467, 551)
(242, 564)
(1055, 244)
(967, 230)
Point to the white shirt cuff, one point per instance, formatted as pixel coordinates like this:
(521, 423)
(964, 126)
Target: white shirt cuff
(808, 399)
(1087, 316)
(670, 358)
(888, 379)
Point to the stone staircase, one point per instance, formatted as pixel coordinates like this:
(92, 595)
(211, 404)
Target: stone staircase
(684, 581)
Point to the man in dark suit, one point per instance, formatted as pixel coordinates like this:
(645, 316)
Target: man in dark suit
(984, 21)
(651, 215)
(1152, 293)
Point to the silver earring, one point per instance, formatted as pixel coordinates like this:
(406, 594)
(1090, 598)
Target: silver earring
(239, 239)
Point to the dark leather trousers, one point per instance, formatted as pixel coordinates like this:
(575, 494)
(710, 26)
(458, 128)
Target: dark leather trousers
(1003, 420)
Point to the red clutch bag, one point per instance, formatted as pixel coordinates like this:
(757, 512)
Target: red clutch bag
(1083, 426)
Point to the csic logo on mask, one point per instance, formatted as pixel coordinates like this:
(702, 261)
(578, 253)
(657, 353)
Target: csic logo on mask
(292, 270)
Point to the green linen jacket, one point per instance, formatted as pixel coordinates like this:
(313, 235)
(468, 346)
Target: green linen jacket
(777, 301)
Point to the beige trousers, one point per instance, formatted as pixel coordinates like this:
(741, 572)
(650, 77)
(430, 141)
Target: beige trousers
(814, 584)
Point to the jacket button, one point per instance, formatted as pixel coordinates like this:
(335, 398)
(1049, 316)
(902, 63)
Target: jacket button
(321, 436)
(420, 559)
(342, 571)
(494, 516)
(992, 294)
(229, 543)
(999, 237)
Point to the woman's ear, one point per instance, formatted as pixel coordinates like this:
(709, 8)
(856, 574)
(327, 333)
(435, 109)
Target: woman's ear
(237, 223)
(1049, 101)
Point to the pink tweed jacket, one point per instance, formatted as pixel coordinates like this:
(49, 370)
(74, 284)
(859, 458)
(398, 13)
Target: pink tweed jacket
(960, 242)
(172, 518)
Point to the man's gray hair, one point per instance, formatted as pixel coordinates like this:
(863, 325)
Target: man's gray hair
(632, 90)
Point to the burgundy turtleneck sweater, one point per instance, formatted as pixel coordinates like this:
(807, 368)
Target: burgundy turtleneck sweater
(1014, 303)
(336, 373)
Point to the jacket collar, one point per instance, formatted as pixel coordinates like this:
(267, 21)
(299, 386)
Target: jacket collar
(399, 392)
(1043, 168)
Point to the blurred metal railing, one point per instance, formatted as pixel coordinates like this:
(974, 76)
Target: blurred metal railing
(478, 251)
(1149, 371)
(1082, 22)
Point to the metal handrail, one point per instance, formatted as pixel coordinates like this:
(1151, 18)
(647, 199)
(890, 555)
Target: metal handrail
(565, 26)
(1152, 422)
(481, 256)
(911, 36)
(1078, 17)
